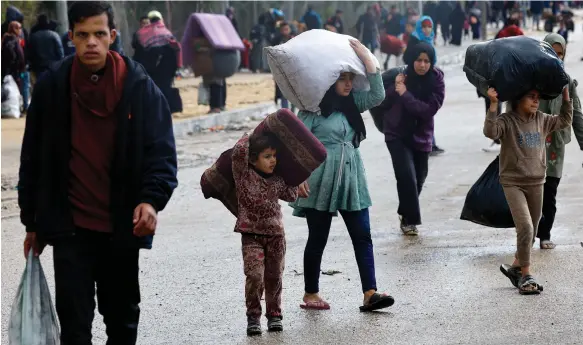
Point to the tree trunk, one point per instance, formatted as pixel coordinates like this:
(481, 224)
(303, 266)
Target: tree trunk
(122, 26)
(61, 7)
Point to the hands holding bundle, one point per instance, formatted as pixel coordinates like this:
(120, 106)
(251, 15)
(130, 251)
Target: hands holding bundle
(400, 84)
(364, 55)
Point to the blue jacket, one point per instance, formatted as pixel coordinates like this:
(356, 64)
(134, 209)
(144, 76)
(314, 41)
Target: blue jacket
(143, 170)
(312, 20)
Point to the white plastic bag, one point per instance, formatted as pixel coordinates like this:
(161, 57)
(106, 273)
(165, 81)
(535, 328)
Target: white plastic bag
(11, 94)
(204, 94)
(306, 66)
(33, 320)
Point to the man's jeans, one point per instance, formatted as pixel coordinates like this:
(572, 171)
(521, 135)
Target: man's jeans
(25, 89)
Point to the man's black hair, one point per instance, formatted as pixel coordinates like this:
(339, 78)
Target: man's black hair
(260, 143)
(142, 18)
(81, 10)
(339, 11)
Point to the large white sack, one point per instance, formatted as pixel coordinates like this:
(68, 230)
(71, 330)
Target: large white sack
(306, 66)
(11, 94)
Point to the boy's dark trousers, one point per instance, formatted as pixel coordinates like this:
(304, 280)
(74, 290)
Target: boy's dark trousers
(87, 259)
(549, 208)
(263, 263)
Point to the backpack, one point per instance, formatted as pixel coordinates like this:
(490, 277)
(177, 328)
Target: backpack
(378, 112)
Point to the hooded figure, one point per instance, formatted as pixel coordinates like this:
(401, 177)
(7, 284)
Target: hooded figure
(45, 46)
(13, 14)
(555, 143)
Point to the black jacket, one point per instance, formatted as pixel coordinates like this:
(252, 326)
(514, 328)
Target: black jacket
(144, 167)
(44, 48)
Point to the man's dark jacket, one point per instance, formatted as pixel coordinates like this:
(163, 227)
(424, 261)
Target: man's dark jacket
(44, 48)
(144, 167)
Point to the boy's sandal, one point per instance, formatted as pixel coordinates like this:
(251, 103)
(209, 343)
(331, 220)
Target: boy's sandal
(529, 286)
(378, 301)
(315, 305)
(512, 273)
(547, 244)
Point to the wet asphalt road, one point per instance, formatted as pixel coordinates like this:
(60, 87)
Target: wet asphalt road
(446, 282)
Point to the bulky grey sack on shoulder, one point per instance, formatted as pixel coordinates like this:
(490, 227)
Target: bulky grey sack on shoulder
(33, 320)
(306, 66)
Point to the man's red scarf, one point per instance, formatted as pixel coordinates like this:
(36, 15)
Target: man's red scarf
(99, 92)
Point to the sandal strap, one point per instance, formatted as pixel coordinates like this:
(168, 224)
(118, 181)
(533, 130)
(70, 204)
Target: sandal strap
(528, 281)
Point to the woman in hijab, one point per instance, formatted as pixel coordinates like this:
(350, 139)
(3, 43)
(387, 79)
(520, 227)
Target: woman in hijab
(423, 33)
(457, 19)
(13, 62)
(339, 184)
(411, 103)
(556, 142)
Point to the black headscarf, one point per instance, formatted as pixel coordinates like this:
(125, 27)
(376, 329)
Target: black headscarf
(333, 102)
(421, 86)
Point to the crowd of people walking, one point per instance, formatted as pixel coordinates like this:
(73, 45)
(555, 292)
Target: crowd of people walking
(99, 162)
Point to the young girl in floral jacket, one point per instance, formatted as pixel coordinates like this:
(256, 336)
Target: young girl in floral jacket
(260, 223)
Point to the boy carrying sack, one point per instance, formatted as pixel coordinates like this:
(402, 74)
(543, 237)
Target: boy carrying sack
(260, 223)
(522, 132)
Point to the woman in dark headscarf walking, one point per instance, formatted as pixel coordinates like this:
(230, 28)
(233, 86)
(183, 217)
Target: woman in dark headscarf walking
(457, 19)
(411, 103)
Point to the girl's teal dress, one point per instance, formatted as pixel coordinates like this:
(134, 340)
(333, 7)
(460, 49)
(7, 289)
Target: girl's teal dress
(340, 182)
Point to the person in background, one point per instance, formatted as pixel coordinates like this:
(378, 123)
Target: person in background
(13, 60)
(285, 34)
(312, 19)
(475, 24)
(68, 45)
(336, 22)
(44, 47)
(563, 31)
(423, 33)
(368, 30)
(160, 54)
(144, 21)
(13, 14)
(98, 163)
(555, 147)
(409, 28)
(393, 25)
(536, 9)
(415, 98)
(430, 10)
(457, 19)
(43, 23)
(444, 10)
(230, 13)
(510, 29)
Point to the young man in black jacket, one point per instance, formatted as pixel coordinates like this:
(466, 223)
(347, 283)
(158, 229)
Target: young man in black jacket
(98, 162)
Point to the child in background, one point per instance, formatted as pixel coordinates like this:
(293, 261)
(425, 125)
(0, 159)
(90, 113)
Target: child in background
(522, 132)
(408, 31)
(261, 226)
